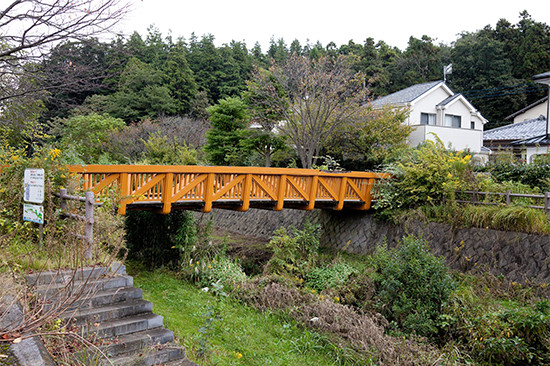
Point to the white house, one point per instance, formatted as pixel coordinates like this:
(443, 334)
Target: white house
(532, 111)
(436, 109)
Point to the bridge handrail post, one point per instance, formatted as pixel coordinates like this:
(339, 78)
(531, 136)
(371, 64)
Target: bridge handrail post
(341, 194)
(313, 192)
(167, 193)
(281, 193)
(208, 192)
(124, 192)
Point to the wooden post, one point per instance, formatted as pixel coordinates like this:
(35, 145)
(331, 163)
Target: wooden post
(313, 192)
(89, 225)
(208, 192)
(245, 194)
(62, 201)
(546, 202)
(474, 196)
(124, 192)
(167, 189)
(281, 193)
(342, 193)
(508, 198)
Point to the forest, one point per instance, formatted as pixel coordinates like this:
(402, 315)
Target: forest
(159, 84)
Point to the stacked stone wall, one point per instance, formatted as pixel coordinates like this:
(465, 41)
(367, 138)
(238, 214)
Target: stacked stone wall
(518, 256)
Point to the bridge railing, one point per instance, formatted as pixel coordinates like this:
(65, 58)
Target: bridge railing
(168, 185)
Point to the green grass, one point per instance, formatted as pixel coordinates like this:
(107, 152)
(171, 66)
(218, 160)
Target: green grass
(261, 339)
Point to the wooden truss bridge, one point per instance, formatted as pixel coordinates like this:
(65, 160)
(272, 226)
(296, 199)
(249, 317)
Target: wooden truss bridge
(163, 188)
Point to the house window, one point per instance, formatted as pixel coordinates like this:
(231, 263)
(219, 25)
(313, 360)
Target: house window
(453, 121)
(472, 125)
(427, 119)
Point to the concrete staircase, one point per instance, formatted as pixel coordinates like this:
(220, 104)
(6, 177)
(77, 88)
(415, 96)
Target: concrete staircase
(112, 312)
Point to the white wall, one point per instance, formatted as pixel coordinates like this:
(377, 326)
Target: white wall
(427, 105)
(457, 138)
(531, 151)
(534, 112)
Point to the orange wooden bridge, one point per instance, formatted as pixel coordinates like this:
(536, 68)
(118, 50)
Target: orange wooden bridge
(162, 188)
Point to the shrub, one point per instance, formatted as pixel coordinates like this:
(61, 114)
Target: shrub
(412, 285)
(294, 252)
(499, 333)
(331, 276)
(221, 270)
(426, 175)
(160, 150)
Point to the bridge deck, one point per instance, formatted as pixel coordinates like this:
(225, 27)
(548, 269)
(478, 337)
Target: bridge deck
(161, 188)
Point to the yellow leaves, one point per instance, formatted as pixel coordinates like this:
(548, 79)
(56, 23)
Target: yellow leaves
(238, 355)
(54, 153)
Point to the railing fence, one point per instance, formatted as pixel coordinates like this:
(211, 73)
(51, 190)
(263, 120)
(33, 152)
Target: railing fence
(508, 196)
(88, 218)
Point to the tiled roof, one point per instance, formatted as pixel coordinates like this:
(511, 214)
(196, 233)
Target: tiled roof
(406, 95)
(518, 131)
(538, 140)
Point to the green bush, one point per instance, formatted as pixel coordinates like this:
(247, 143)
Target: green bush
(294, 252)
(331, 276)
(535, 175)
(160, 150)
(425, 175)
(412, 286)
(221, 270)
(499, 333)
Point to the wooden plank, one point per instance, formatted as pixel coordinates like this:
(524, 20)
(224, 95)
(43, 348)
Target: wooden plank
(227, 187)
(298, 188)
(328, 189)
(195, 182)
(264, 187)
(105, 183)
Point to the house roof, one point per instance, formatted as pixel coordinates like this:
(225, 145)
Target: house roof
(544, 75)
(540, 101)
(538, 140)
(449, 100)
(406, 95)
(518, 131)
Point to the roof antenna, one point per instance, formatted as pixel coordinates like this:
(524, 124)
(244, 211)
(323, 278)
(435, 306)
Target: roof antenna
(447, 70)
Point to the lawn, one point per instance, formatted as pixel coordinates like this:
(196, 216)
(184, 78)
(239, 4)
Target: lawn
(238, 334)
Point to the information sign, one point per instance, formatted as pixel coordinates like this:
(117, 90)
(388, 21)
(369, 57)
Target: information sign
(34, 185)
(33, 213)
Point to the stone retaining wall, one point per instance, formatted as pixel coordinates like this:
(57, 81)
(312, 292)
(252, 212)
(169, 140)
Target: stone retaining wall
(518, 256)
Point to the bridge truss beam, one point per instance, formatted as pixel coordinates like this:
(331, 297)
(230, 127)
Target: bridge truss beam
(161, 188)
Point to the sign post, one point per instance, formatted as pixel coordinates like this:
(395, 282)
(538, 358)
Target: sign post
(33, 185)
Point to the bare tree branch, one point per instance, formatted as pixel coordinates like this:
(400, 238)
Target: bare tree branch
(312, 97)
(28, 27)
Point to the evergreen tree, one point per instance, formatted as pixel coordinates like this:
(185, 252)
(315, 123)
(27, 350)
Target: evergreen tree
(229, 119)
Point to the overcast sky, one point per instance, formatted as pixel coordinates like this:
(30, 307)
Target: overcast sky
(392, 21)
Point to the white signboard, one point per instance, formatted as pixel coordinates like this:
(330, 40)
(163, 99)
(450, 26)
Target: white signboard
(34, 185)
(33, 213)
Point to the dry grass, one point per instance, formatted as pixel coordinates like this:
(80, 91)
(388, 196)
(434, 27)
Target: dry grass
(349, 328)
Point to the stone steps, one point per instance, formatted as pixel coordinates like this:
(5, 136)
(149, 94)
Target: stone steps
(111, 312)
